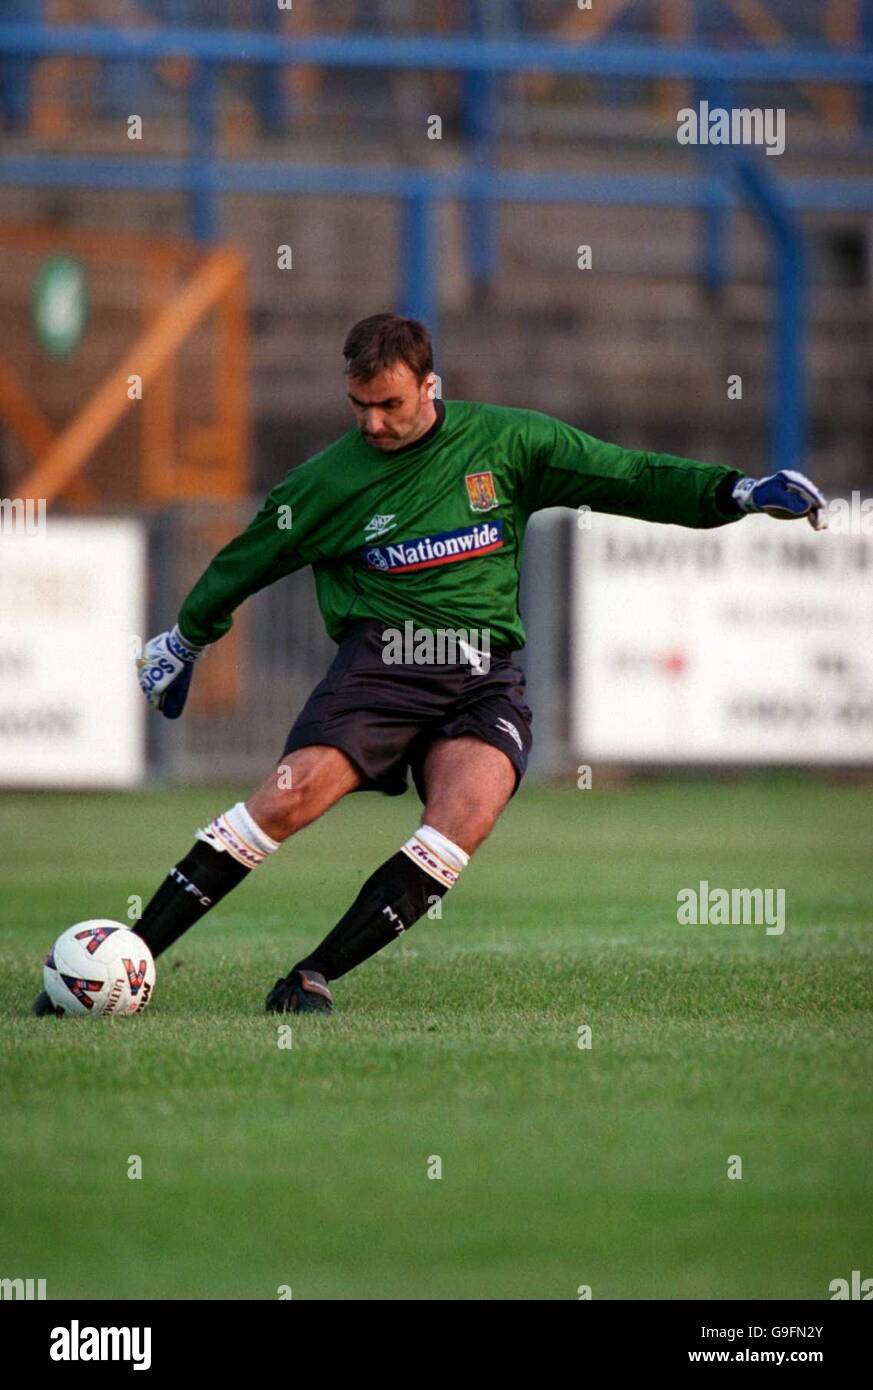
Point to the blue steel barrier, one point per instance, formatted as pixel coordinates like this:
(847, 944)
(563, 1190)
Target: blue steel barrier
(788, 411)
(205, 177)
(605, 58)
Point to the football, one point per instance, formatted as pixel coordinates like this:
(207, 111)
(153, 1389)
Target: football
(98, 968)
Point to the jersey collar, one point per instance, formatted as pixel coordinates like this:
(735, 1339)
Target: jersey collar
(440, 408)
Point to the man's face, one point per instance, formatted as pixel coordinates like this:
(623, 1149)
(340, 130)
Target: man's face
(393, 408)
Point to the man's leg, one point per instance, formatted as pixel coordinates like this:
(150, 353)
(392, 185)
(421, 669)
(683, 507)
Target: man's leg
(302, 786)
(468, 783)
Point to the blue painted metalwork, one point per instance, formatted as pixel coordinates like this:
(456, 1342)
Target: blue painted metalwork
(433, 52)
(420, 263)
(202, 165)
(205, 177)
(867, 44)
(788, 407)
(804, 194)
(479, 106)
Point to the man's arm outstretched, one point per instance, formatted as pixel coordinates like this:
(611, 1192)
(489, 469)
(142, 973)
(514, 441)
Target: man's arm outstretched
(568, 468)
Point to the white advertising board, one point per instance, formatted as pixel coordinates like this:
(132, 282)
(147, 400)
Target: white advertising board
(749, 643)
(71, 603)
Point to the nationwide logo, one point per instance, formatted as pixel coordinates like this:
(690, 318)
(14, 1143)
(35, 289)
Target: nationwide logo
(467, 543)
(381, 523)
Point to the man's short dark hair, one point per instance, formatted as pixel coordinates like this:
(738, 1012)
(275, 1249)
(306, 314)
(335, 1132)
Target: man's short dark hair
(382, 341)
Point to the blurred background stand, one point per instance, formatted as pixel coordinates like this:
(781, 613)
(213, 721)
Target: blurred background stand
(285, 183)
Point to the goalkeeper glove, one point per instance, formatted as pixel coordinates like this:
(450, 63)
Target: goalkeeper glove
(786, 495)
(165, 669)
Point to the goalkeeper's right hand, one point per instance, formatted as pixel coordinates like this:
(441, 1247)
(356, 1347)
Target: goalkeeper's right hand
(165, 669)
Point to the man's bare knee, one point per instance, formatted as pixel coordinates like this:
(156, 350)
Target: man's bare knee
(301, 787)
(468, 784)
(468, 825)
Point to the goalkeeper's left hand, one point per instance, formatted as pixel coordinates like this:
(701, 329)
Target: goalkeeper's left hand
(165, 669)
(786, 495)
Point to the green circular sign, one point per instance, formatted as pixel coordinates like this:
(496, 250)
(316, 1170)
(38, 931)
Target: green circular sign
(60, 305)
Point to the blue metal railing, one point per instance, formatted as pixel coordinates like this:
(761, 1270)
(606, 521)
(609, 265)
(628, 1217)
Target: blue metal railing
(714, 191)
(437, 52)
(788, 410)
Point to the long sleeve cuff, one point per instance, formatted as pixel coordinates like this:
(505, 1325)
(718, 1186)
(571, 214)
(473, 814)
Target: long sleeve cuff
(724, 499)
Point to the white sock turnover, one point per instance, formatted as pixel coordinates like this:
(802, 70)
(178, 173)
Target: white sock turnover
(240, 835)
(436, 854)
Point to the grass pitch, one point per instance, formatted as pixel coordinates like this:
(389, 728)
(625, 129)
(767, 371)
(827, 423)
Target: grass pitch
(308, 1166)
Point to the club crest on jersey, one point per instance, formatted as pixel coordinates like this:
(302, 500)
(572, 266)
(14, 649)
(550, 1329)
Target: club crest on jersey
(467, 543)
(481, 491)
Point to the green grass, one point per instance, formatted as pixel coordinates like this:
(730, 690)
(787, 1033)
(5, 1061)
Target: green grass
(308, 1166)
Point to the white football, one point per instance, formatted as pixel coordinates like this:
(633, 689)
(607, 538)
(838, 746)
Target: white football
(97, 968)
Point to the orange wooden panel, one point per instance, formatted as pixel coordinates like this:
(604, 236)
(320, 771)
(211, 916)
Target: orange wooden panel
(153, 351)
(22, 414)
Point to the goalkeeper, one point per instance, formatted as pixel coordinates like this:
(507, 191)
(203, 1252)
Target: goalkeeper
(416, 516)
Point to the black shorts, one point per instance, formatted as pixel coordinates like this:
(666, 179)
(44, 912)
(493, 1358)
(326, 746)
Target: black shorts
(384, 716)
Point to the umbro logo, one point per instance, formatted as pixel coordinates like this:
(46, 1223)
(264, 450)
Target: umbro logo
(381, 524)
(509, 728)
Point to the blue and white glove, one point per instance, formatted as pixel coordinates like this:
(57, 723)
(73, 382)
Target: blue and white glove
(786, 495)
(165, 669)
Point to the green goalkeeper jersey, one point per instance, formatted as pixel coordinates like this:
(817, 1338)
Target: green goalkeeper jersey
(433, 532)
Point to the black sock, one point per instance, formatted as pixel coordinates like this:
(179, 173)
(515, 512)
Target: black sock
(394, 897)
(196, 884)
